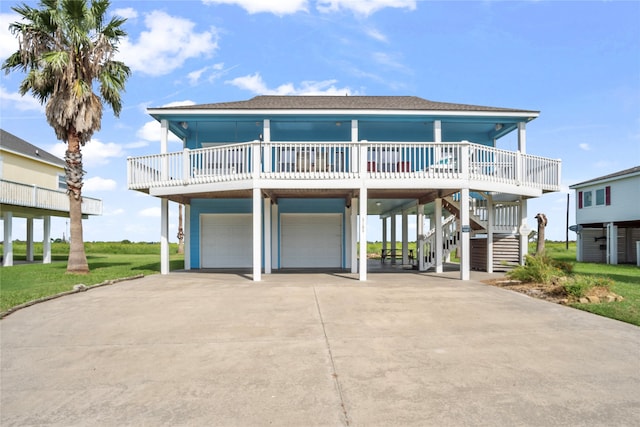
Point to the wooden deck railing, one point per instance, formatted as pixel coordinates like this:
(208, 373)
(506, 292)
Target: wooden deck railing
(31, 196)
(343, 161)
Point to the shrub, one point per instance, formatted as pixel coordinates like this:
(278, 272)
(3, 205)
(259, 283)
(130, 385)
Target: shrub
(538, 269)
(580, 285)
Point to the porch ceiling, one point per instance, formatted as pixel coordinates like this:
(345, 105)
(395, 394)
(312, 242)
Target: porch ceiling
(380, 202)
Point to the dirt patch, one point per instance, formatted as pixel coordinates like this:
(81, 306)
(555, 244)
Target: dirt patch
(555, 292)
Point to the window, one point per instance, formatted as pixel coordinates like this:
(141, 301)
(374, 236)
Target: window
(602, 197)
(62, 182)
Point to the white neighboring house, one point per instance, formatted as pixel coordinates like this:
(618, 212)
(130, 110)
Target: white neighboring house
(608, 217)
(32, 185)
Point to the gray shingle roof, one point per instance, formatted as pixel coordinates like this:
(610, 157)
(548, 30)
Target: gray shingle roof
(408, 103)
(12, 143)
(630, 171)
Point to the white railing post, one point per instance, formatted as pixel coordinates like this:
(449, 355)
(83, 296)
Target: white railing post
(186, 165)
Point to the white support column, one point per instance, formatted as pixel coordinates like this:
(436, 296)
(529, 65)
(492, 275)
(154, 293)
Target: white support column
(465, 234)
(612, 244)
(7, 255)
(274, 236)
(30, 239)
(362, 205)
(419, 234)
(524, 230)
(164, 203)
(353, 235)
(490, 221)
(164, 236)
(437, 131)
(187, 237)
(405, 237)
(384, 235)
(393, 238)
(438, 236)
(46, 240)
(522, 137)
(257, 235)
(266, 138)
(267, 235)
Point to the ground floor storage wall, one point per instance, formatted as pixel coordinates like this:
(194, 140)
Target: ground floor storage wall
(506, 252)
(306, 233)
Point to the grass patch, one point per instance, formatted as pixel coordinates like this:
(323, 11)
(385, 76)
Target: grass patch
(623, 280)
(26, 282)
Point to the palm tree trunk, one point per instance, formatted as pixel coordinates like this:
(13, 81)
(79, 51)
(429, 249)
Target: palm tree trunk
(77, 262)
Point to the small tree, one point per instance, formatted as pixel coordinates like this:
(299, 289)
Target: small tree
(66, 46)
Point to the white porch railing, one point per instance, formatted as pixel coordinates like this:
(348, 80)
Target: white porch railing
(449, 242)
(31, 196)
(343, 161)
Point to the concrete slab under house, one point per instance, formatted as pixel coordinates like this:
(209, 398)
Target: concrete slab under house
(287, 182)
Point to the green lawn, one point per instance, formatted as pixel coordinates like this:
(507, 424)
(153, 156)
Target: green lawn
(626, 283)
(25, 282)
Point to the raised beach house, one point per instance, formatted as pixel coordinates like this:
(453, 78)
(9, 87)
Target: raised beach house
(287, 182)
(33, 186)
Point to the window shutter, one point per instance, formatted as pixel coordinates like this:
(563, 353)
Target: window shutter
(607, 195)
(579, 199)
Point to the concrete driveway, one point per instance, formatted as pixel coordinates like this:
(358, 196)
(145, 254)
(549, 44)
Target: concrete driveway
(314, 350)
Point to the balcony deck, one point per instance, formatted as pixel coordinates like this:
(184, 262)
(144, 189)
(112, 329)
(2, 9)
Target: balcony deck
(308, 167)
(33, 200)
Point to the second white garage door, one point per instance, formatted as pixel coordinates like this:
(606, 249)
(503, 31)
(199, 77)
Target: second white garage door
(226, 240)
(311, 240)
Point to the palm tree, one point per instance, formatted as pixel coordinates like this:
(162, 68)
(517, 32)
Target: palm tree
(65, 47)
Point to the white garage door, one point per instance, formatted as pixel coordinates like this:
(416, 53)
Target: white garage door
(226, 240)
(311, 240)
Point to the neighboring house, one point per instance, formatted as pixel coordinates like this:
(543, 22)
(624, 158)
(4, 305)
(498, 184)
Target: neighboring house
(32, 185)
(608, 217)
(278, 182)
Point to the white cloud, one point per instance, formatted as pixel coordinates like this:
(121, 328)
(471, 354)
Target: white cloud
(94, 152)
(389, 61)
(108, 212)
(97, 183)
(8, 42)
(256, 84)
(363, 7)
(279, 7)
(375, 34)
(215, 70)
(126, 12)
(151, 130)
(150, 212)
(584, 146)
(168, 43)
(14, 101)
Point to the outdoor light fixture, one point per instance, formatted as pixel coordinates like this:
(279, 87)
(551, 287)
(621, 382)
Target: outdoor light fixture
(378, 203)
(498, 126)
(184, 125)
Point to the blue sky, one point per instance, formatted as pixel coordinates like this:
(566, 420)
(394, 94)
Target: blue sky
(578, 62)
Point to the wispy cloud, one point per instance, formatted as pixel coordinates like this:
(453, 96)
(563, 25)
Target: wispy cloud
(257, 85)
(363, 7)
(153, 212)
(584, 146)
(97, 183)
(14, 101)
(94, 152)
(279, 7)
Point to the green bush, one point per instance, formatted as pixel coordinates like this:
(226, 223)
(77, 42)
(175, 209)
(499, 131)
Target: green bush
(580, 285)
(537, 269)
